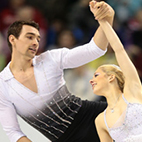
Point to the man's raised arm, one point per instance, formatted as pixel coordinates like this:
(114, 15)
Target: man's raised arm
(101, 10)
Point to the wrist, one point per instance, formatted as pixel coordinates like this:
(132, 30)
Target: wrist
(110, 19)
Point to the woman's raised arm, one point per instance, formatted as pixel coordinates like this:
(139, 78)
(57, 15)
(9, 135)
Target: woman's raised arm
(132, 80)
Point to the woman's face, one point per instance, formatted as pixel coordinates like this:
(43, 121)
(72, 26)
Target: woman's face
(99, 82)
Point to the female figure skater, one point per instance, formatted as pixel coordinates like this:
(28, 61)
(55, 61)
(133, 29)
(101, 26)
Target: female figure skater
(122, 119)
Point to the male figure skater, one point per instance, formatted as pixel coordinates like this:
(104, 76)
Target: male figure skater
(34, 88)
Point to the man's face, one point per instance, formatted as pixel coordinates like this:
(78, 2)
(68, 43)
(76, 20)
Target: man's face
(28, 42)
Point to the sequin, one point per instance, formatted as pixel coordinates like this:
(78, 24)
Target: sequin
(131, 130)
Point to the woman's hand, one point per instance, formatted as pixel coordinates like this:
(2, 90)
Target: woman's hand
(101, 10)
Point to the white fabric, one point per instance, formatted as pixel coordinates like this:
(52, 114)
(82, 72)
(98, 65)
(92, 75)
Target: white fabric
(134, 138)
(48, 69)
(128, 128)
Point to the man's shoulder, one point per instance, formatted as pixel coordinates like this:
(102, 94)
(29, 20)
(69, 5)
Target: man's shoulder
(2, 72)
(5, 73)
(2, 78)
(45, 55)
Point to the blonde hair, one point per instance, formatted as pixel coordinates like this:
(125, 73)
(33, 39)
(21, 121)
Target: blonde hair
(110, 69)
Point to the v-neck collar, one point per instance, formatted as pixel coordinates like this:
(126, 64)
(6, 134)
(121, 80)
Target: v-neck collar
(6, 74)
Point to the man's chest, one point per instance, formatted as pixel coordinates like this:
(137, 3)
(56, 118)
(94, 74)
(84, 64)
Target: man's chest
(39, 81)
(28, 80)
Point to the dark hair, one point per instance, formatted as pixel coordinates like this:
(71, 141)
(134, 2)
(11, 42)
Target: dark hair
(16, 27)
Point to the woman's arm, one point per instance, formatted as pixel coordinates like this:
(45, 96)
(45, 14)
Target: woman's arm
(24, 139)
(102, 132)
(106, 12)
(132, 80)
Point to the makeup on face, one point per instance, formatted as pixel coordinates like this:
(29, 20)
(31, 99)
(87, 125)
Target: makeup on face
(96, 74)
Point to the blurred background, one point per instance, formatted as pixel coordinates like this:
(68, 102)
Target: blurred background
(69, 23)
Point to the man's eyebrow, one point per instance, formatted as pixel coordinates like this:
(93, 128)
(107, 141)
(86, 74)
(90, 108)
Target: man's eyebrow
(32, 34)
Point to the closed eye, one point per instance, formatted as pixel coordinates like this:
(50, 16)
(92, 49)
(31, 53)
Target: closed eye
(97, 74)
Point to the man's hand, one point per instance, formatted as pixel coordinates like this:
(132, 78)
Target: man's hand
(101, 11)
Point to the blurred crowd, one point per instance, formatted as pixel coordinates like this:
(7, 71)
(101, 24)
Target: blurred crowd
(69, 23)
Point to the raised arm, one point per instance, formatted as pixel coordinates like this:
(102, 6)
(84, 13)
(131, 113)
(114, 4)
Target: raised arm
(132, 80)
(106, 12)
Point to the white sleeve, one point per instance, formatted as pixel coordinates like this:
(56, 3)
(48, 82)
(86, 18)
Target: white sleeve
(78, 56)
(8, 119)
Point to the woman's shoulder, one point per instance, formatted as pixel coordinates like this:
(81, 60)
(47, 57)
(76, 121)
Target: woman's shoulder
(100, 122)
(100, 118)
